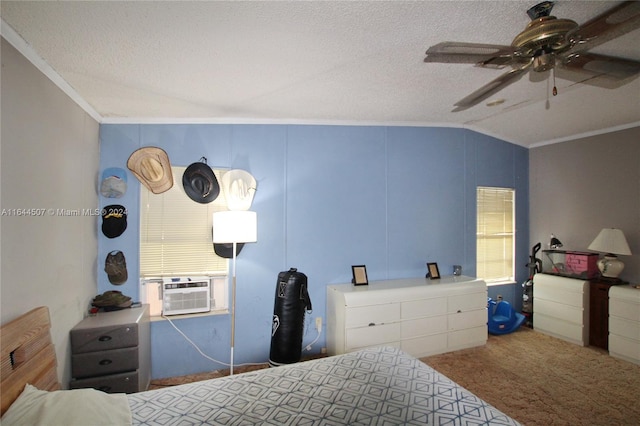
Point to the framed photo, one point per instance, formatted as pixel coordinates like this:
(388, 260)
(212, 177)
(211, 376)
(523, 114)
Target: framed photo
(432, 271)
(359, 275)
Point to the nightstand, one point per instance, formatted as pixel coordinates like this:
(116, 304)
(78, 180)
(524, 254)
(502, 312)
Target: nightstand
(111, 351)
(599, 312)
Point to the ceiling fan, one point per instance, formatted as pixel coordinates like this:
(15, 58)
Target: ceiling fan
(546, 43)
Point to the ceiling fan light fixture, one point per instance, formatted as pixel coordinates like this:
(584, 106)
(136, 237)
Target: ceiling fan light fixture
(544, 62)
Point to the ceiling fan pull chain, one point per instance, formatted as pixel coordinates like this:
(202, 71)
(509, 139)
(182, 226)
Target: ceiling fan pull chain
(555, 89)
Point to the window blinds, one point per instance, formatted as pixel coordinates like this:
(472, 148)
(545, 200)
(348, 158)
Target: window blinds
(176, 232)
(495, 234)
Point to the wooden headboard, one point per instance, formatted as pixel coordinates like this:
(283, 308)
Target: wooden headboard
(28, 355)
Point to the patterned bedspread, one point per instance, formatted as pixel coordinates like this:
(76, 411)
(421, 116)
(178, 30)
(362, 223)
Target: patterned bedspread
(377, 386)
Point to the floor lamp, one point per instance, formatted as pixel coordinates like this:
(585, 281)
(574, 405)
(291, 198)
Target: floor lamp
(234, 227)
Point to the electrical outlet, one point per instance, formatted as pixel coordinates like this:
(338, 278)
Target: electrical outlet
(319, 324)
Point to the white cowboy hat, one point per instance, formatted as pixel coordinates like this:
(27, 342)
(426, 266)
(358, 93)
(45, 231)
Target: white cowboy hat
(238, 187)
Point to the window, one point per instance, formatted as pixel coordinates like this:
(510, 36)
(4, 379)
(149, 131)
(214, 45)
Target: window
(495, 236)
(176, 241)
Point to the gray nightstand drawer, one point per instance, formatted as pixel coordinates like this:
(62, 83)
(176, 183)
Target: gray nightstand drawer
(114, 383)
(104, 338)
(103, 363)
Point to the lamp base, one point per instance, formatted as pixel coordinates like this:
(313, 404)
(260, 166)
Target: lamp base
(610, 266)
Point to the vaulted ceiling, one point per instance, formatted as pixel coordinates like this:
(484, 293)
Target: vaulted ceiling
(316, 62)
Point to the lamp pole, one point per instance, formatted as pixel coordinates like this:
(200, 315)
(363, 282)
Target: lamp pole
(234, 227)
(233, 308)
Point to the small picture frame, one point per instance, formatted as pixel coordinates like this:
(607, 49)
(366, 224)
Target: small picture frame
(359, 275)
(432, 271)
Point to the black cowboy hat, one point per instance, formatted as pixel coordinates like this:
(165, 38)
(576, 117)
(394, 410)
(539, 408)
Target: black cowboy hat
(199, 182)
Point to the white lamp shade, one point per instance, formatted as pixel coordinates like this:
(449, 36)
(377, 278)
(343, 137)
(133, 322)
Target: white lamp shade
(235, 227)
(611, 240)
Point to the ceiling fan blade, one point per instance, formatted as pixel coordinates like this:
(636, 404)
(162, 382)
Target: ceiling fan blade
(492, 87)
(486, 55)
(595, 64)
(611, 24)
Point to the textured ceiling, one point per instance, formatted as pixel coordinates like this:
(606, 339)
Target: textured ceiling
(311, 62)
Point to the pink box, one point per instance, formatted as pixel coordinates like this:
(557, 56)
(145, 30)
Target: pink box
(581, 264)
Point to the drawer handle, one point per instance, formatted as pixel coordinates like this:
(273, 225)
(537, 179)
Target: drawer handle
(105, 362)
(459, 311)
(372, 324)
(104, 338)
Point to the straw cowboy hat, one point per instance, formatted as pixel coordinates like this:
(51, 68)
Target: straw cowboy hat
(152, 168)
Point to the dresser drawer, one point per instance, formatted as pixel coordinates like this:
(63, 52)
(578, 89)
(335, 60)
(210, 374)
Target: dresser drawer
(103, 338)
(625, 292)
(423, 308)
(423, 326)
(372, 336)
(462, 320)
(624, 348)
(570, 331)
(374, 314)
(466, 302)
(568, 298)
(625, 328)
(557, 285)
(113, 383)
(623, 309)
(425, 345)
(470, 337)
(103, 363)
(558, 310)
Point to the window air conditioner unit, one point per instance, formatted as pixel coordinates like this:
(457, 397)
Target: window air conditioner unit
(186, 295)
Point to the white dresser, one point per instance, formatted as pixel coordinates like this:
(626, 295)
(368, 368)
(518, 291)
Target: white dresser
(561, 307)
(419, 315)
(624, 323)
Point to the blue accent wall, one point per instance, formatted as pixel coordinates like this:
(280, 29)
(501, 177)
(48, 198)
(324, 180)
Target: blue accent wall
(390, 198)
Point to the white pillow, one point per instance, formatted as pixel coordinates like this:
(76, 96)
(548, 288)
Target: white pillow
(67, 407)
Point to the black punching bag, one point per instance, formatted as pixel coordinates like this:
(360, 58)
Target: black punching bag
(292, 299)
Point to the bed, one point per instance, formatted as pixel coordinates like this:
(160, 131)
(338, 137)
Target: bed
(374, 386)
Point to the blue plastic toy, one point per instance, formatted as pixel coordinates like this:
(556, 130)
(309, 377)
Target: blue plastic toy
(503, 319)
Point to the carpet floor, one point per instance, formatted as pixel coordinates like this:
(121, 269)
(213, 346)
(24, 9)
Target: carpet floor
(541, 380)
(534, 378)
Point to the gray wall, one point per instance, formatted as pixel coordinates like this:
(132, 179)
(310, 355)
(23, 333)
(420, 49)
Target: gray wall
(581, 186)
(49, 158)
